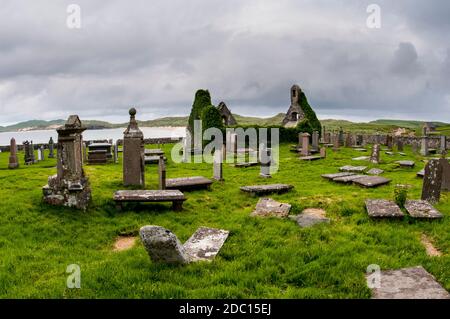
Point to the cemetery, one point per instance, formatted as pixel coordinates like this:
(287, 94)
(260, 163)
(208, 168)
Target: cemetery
(309, 230)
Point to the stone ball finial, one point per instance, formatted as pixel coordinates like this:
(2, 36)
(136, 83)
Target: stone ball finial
(132, 111)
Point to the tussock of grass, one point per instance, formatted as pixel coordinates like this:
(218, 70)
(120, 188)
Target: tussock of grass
(262, 258)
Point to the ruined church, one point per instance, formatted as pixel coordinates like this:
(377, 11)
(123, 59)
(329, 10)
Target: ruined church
(295, 113)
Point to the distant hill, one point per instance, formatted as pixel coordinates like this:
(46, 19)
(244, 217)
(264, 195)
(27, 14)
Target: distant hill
(383, 125)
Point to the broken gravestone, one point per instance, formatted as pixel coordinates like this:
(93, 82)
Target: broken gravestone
(268, 207)
(310, 217)
(163, 246)
(381, 208)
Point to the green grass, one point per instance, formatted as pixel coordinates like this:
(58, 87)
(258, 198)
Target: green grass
(262, 258)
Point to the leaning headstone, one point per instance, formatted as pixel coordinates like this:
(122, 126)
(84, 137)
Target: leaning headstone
(266, 161)
(69, 187)
(408, 283)
(267, 207)
(218, 164)
(424, 146)
(162, 172)
(133, 154)
(432, 182)
(13, 159)
(51, 148)
(422, 209)
(375, 157)
(381, 208)
(163, 246)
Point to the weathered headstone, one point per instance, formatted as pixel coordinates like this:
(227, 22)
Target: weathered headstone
(375, 157)
(443, 145)
(29, 153)
(323, 152)
(400, 145)
(432, 182)
(445, 174)
(315, 141)
(348, 140)
(336, 142)
(218, 164)
(162, 172)
(266, 161)
(341, 136)
(13, 159)
(408, 283)
(305, 144)
(40, 152)
(389, 141)
(267, 207)
(424, 146)
(69, 187)
(51, 148)
(133, 154)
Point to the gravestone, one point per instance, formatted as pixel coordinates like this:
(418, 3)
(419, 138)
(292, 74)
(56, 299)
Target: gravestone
(267, 207)
(51, 148)
(445, 174)
(300, 140)
(341, 136)
(323, 152)
(424, 146)
(310, 217)
(327, 138)
(381, 208)
(163, 246)
(29, 153)
(266, 161)
(389, 141)
(375, 171)
(348, 140)
(372, 181)
(353, 169)
(400, 146)
(218, 164)
(13, 159)
(40, 153)
(375, 157)
(162, 172)
(133, 154)
(337, 175)
(422, 209)
(408, 164)
(315, 140)
(69, 187)
(432, 182)
(408, 283)
(305, 144)
(443, 145)
(267, 189)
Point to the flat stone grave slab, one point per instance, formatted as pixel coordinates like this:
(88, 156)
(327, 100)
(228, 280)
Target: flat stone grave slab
(375, 171)
(154, 152)
(409, 283)
(381, 208)
(361, 158)
(163, 246)
(422, 209)
(360, 149)
(353, 169)
(188, 183)
(310, 158)
(154, 159)
(409, 164)
(348, 179)
(389, 153)
(267, 189)
(337, 175)
(310, 217)
(371, 181)
(205, 244)
(402, 154)
(245, 165)
(175, 196)
(268, 207)
(421, 173)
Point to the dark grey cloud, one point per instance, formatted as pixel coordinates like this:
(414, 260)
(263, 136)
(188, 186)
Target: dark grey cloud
(154, 55)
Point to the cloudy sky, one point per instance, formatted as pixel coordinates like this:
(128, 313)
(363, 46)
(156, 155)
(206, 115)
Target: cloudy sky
(155, 54)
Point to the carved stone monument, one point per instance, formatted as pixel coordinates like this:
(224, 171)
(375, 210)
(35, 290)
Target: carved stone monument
(432, 182)
(51, 148)
(133, 154)
(69, 187)
(375, 157)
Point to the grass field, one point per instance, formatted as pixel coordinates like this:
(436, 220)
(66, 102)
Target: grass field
(262, 258)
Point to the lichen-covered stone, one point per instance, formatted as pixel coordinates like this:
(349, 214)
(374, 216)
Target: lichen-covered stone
(268, 207)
